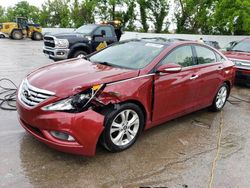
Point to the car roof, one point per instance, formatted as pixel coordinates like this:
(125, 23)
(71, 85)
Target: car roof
(246, 39)
(164, 41)
(98, 25)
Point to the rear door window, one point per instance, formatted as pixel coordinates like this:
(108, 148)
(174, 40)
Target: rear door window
(205, 55)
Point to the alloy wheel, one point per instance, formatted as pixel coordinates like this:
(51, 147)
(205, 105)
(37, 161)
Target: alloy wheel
(124, 127)
(80, 56)
(221, 97)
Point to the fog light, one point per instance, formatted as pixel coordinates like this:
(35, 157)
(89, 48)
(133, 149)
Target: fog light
(60, 53)
(62, 136)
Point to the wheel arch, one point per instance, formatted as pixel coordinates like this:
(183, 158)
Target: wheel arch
(229, 85)
(15, 29)
(140, 105)
(79, 47)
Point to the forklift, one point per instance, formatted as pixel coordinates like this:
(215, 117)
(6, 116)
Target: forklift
(20, 29)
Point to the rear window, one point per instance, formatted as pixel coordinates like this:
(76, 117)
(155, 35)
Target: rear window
(205, 55)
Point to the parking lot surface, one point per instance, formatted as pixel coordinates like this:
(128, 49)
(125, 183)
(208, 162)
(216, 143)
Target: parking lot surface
(196, 151)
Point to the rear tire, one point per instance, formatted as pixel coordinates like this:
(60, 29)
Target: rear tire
(37, 36)
(220, 98)
(79, 54)
(17, 35)
(122, 127)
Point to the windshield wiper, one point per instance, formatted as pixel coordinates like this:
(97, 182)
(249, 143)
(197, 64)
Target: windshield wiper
(104, 63)
(238, 50)
(87, 58)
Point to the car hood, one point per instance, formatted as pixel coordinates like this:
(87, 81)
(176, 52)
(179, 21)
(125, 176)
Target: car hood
(237, 55)
(69, 35)
(72, 76)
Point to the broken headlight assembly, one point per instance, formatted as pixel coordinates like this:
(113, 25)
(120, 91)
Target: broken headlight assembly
(76, 103)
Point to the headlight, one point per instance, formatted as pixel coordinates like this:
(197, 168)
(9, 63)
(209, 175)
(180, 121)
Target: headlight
(88, 37)
(75, 103)
(62, 43)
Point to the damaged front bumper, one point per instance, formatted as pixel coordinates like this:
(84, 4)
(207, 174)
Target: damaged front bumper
(85, 127)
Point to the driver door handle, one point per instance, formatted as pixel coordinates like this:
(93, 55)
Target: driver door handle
(220, 68)
(193, 77)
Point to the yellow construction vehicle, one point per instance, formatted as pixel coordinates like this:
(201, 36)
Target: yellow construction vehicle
(20, 29)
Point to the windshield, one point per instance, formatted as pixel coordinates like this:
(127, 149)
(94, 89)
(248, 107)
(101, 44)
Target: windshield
(132, 54)
(243, 46)
(85, 29)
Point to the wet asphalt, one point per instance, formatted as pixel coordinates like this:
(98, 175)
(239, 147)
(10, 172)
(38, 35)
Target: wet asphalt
(181, 153)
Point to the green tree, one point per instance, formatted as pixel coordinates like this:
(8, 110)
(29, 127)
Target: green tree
(232, 17)
(143, 7)
(129, 16)
(55, 13)
(159, 11)
(44, 17)
(2, 14)
(193, 16)
(23, 9)
(88, 10)
(83, 13)
(107, 9)
(76, 14)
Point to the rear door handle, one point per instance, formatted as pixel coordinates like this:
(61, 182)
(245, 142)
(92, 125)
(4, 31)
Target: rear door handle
(194, 77)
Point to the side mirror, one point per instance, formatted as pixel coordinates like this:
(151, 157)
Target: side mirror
(169, 68)
(103, 32)
(228, 48)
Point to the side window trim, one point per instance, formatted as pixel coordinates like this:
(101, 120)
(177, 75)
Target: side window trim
(195, 57)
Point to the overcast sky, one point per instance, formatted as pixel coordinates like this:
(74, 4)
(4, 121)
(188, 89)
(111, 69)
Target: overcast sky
(6, 3)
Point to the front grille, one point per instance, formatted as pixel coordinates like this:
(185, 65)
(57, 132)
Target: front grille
(49, 41)
(32, 96)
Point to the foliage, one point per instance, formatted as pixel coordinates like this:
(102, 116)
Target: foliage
(159, 10)
(190, 16)
(22, 9)
(56, 13)
(2, 15)
(143, 6)
(232, 17)
(83, 13)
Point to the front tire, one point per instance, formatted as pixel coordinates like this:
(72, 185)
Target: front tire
(221, 98)
(17, 35)
(37, 36)
(79, 54)
(122, 127)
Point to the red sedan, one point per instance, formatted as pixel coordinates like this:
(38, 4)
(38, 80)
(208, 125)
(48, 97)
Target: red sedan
(239, 53)
(113, 95)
